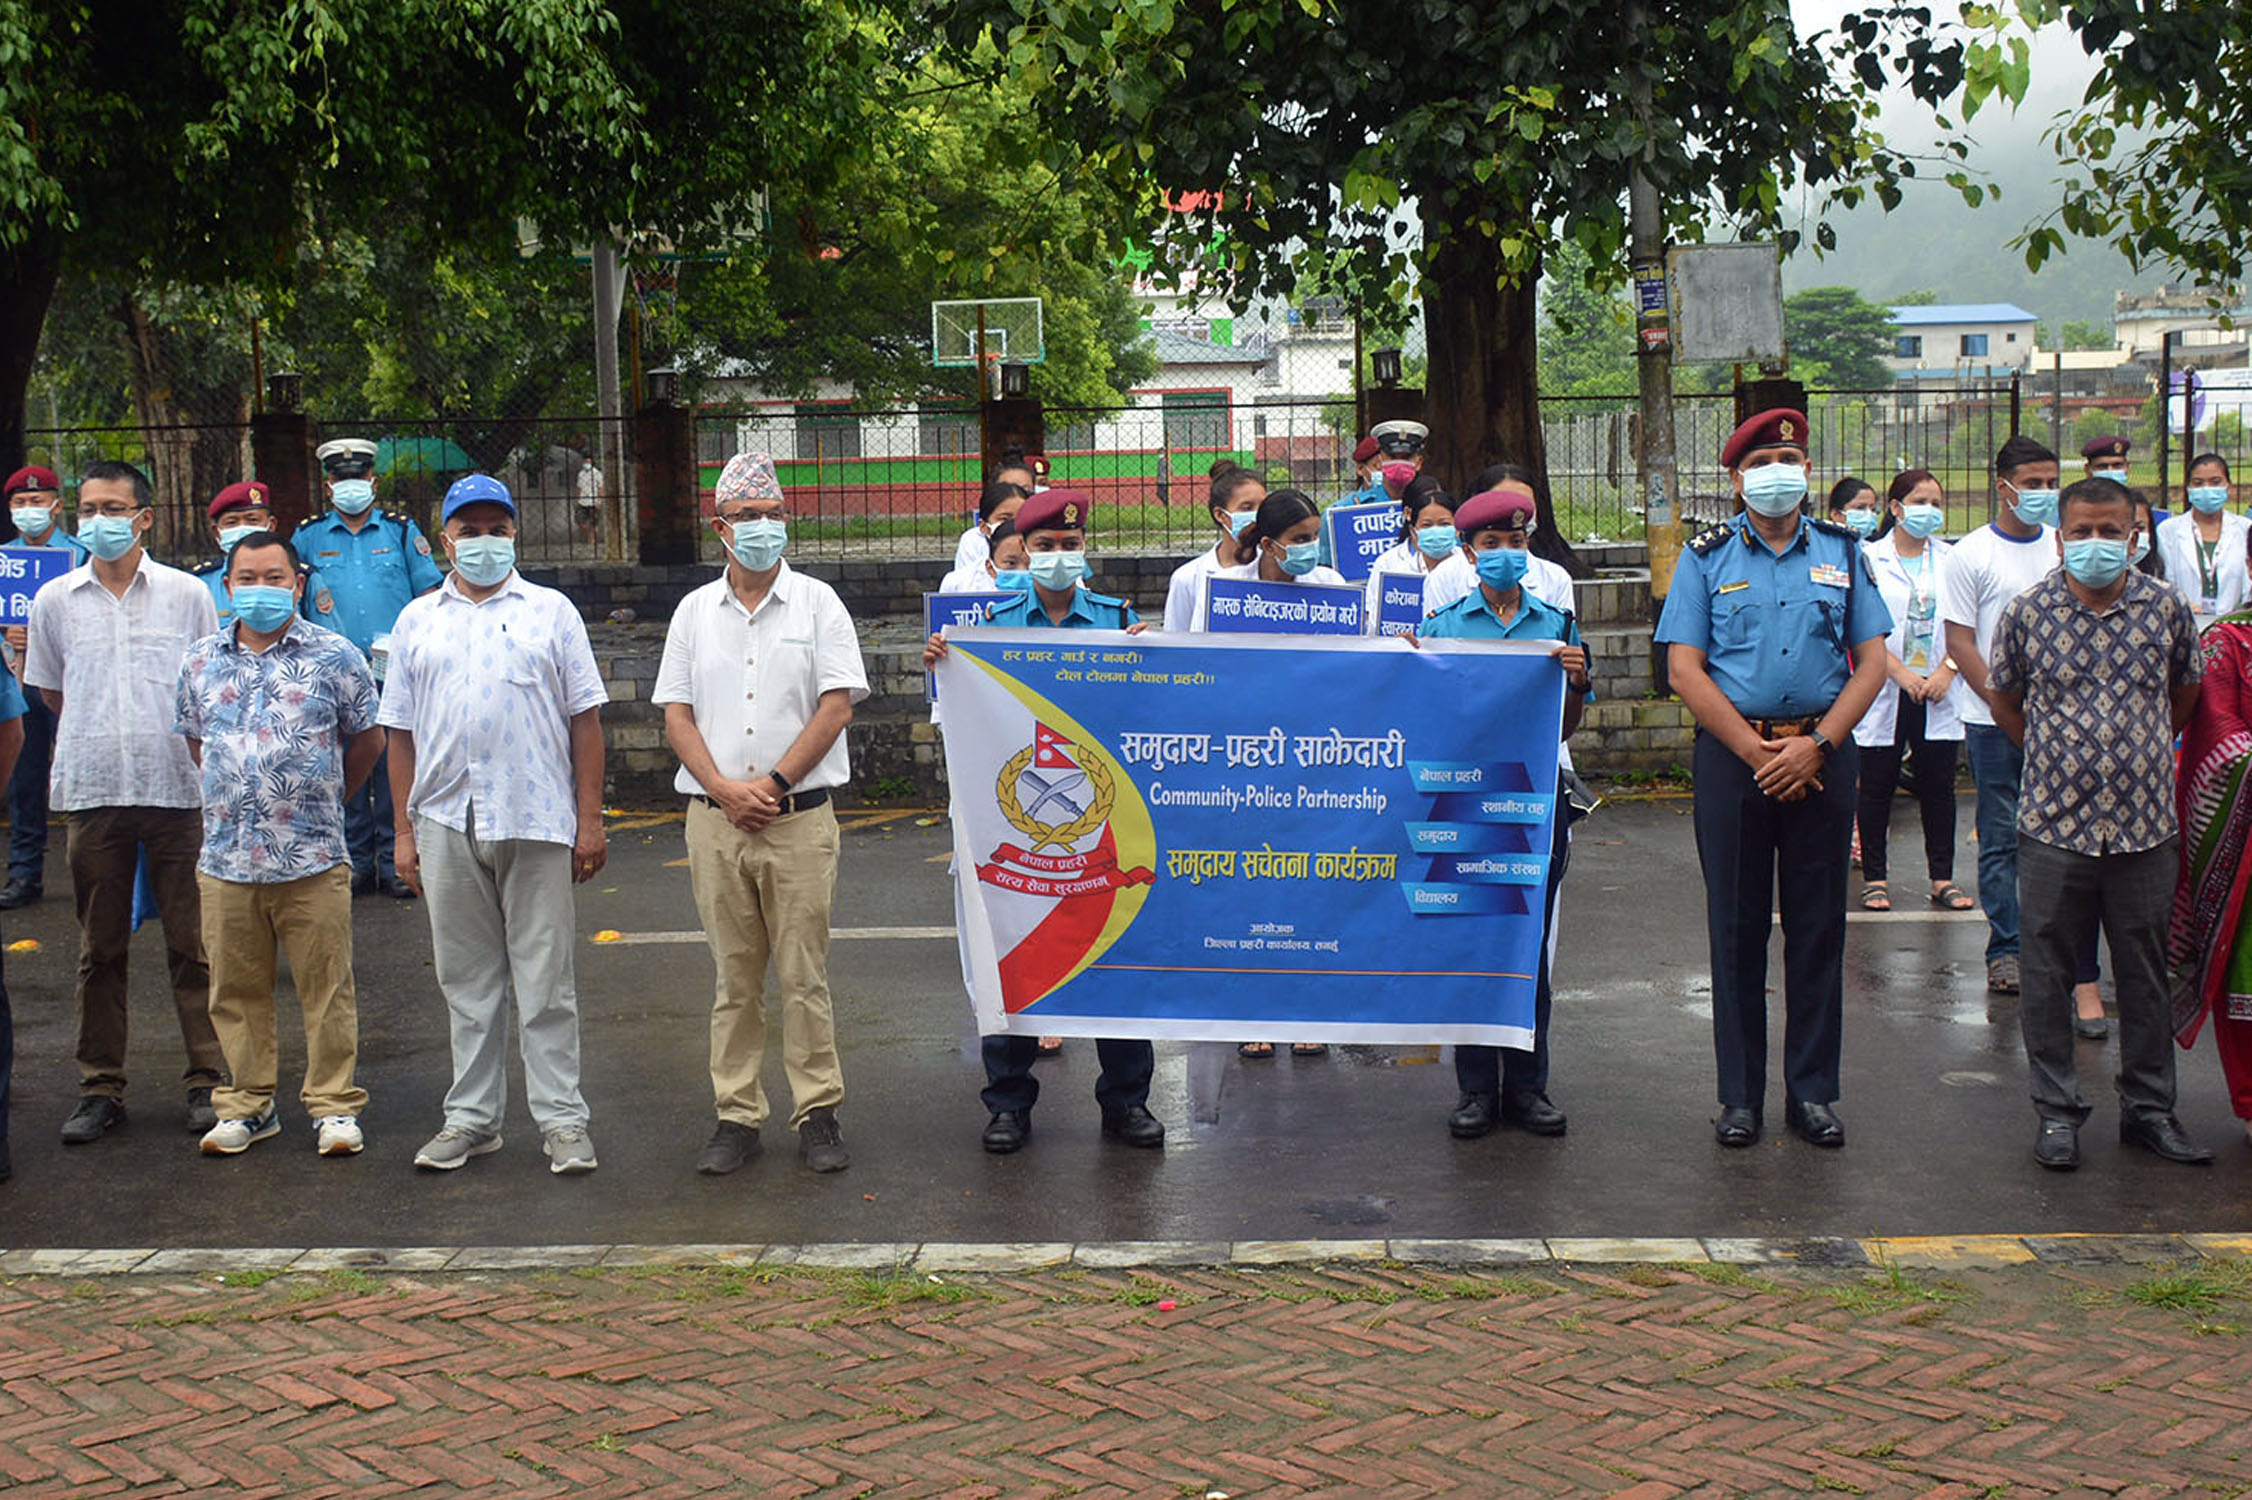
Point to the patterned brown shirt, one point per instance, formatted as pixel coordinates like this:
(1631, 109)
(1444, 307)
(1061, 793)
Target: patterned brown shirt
(2099, 728)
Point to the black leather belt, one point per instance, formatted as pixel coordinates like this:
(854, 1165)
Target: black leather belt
(795, 802)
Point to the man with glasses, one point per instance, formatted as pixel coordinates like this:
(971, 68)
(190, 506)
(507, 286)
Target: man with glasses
(35, 506)
(106, 643)
(760, 673)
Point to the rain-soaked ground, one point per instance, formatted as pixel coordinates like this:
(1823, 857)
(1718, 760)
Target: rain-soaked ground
(1348, 1146)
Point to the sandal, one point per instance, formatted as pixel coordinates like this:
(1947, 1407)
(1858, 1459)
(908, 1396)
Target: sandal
(1952, 897)
(1309, 1049)
(1049, 1046)
(1259, 1051)
(1874, 897)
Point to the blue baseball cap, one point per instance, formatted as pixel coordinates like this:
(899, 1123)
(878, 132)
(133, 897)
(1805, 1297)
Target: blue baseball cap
(476, 489)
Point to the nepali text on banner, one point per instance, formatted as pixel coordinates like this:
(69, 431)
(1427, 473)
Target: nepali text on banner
(943, 610)
(1255, 606)
(24, 571)
(1360, 534)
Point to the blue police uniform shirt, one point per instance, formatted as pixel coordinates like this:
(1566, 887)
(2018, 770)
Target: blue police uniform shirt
(11, 698)
(1471, 618)
(57, 540)
(367, 576)
(1089, 611)
(1774, 626)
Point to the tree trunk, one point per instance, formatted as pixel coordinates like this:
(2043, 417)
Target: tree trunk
(195, 448)
(27, 285)
(1483, 388)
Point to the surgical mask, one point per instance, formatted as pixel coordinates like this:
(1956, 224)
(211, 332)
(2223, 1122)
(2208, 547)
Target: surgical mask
(485, 560)
(1863, 521)
(1774, 489)
(1240, 520)
(1502, 567)
(1922, 520)
(2141, 549)
(230, 535)
(2208, 498)
(1436, 541)
(758, 542)
(2095, 561)
(263, 607)
(352, 496)
(2035, 507)
(1014, 580)
(1397, 476)
(108, 537)
(1057, 572)
(33, 520)
(1300, 558)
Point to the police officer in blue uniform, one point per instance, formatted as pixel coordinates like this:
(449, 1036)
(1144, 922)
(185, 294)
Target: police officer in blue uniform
(371, 563)
(1763, 613)
(1510, 1085)
(1053, 524)
(34, 498)
(235, 512)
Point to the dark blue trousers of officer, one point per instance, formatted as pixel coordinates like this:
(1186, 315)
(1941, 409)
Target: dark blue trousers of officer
(27, 793)
(1009, 1084)
(1748, 844)
(368, 833)
(1513, 1070)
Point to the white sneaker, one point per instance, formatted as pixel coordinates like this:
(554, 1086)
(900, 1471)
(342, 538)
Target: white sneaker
(233, 1137)
(569, 1150)
(340, 1136)
(449, 1148)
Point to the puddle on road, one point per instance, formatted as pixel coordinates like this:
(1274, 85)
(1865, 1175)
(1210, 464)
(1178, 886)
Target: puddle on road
(1358, 1212)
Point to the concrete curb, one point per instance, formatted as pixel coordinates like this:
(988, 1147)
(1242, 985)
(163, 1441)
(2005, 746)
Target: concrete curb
(1929, 1252)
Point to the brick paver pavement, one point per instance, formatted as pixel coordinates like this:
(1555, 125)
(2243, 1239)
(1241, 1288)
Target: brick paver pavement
(1377, 1379)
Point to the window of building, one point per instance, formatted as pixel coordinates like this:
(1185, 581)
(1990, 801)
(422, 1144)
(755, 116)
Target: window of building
(1071, 437)
(1974, 346)
(2009, 338)
(1196, 420)
(828, 432)
(946, 431)
(1908, 346)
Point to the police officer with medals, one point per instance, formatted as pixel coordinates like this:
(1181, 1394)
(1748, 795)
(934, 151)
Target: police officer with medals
(1775, 640)
(369, 563)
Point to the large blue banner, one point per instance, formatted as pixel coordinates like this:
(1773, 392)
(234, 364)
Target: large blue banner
(1251, 838)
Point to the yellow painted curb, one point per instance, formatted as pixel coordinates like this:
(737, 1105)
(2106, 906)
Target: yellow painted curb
(1950, 1250)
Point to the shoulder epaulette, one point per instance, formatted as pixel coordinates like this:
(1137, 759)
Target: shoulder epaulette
(1710, 538)
(399, 516)
(1112, 599)
(1834, 529)
(208, 566)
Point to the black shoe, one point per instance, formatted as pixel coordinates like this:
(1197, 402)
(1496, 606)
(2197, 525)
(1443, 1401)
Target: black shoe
(821, 1144)
(19, 893)
(1475, 1116)
(395, 887)
(731, 1145)
(1007, 1131)
(2162, 1135)
(1135, 1126)
(1815, 1124)
(201, 1116)
(7, 1167)
(1736, 1127)
(96, 1114)
(1532, 1112)
(2094, 1028)
(2057, 1147)
(363, 882)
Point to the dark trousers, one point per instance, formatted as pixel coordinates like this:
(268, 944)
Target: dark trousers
(27, 792)
(1935, 793)
(105, 845)
(1009, 1084)
(1746, 842)
(367, 823)
(1997, 766)
(7, 1054)
(2062, 896)
(1513, 1070)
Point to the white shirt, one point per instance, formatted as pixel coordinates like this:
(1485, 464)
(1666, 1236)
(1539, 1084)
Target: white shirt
(1986, 571)
(117, 664)
(753, 680)
(1897, 581)
(971, 551)
(2177, 550)
(1401, 557)
(1184, 595)
(590, 487)
(970, 580)
(489, 691)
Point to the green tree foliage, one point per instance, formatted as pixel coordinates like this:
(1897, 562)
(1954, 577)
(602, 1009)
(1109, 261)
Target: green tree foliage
(1586, 329)
(1837, 340)
(2076, 334)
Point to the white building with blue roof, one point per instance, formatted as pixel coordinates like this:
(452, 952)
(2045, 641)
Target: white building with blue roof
(1961, 341)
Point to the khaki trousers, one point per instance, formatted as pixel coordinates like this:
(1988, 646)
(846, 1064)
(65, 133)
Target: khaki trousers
(767, 895)
(311, 920)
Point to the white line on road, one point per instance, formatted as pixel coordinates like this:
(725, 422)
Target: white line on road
(632, 939)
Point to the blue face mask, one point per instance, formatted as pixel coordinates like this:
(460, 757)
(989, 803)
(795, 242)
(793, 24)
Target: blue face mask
(108, 537)
(1300, 558)
(1863, 521)
(263, 607)
(2036, 507)
(1922, 520)
(229, 536)
(1058, 572)
(1436, 541)
(1502, 567)
(2095, 561)
(1015, 580)
(34, 520)
(485, 560)
(352, 496)
(1774, 489)
(758, 542)
(1239, 520)
(2208, 498)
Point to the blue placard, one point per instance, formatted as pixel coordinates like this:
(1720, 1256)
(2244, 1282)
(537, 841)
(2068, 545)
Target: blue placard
(1399, 603)
(1360, 534)
(942, 610)
(1254, 606)
(24, 571)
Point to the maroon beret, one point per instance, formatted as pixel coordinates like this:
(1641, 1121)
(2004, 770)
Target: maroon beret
(238, 497)
(1364, 450)
(1780, 427)
(1505, 510)
(31, 477)
(2115, 446)
(1053, 510)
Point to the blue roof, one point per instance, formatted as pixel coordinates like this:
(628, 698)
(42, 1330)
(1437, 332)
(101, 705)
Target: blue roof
(1961, 312)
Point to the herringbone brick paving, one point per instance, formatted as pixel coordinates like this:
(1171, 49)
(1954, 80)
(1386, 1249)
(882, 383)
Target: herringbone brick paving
(1381, 1380)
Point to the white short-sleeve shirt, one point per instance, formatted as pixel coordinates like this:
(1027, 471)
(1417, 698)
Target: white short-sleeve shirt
(1184, 593)
(1988, 569)
(753, 680)
(488, 690)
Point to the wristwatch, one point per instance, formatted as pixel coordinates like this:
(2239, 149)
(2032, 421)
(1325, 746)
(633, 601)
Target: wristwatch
(1821, 742)
(780, 780)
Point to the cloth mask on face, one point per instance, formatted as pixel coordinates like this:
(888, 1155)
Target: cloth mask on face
(758, 542)
(352, 496)
(263, 607)
(1502, 567)
(1398, 476)
(2095, 561)
(1436, 541)
(108, 537)
(1774, 489)
(1058, 572)
(1922, 520)
(485, 560)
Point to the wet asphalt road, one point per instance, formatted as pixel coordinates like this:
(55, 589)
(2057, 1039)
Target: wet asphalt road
(1350, 1146)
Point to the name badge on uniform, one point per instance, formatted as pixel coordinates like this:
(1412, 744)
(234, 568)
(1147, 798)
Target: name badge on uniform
(1730, 588)
(1836, 578)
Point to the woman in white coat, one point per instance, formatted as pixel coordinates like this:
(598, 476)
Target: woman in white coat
(2203, 548)
(1921, 708)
